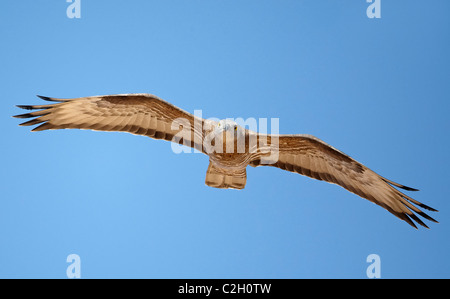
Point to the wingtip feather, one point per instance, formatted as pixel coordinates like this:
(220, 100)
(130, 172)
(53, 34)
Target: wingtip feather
(26, 107)
(409, 188)
(26, 115)
(399, 185)
(42, 127)
(49, 99)
(415, 218)
(31, 122)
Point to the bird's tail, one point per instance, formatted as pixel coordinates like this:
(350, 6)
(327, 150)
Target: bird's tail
(224, 178)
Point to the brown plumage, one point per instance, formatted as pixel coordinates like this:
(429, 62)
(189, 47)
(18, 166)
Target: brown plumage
(148, 115)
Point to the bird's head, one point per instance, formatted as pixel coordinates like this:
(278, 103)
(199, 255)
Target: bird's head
(230, 129)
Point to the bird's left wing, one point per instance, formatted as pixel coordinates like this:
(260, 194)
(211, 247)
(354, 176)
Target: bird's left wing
(309, 156)
(140, 114)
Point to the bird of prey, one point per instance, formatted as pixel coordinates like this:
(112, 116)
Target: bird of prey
(229, 146)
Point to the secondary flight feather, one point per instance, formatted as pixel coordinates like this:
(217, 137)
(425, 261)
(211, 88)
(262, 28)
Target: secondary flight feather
(230, 147)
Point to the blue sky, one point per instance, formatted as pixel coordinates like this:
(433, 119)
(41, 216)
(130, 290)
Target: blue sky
(377, 89)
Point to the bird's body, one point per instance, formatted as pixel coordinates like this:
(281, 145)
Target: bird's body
(230, 147)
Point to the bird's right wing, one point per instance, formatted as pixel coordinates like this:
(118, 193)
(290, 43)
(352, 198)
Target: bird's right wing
(140, 114)
(310, 156)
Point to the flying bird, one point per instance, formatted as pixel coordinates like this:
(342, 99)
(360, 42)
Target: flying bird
(229, 146)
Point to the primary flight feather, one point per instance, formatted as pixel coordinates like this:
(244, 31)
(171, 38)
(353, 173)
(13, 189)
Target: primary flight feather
(148, 115)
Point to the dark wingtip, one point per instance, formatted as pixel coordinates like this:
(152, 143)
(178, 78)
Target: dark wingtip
(427, 217)
(409, 188)
(407, 219)
(45, 98)
(26, 115)
(49, 99)
(42, 127)
(26, 107)
(427, 207)
(399, 185)
(31, 122)
(415, 218)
